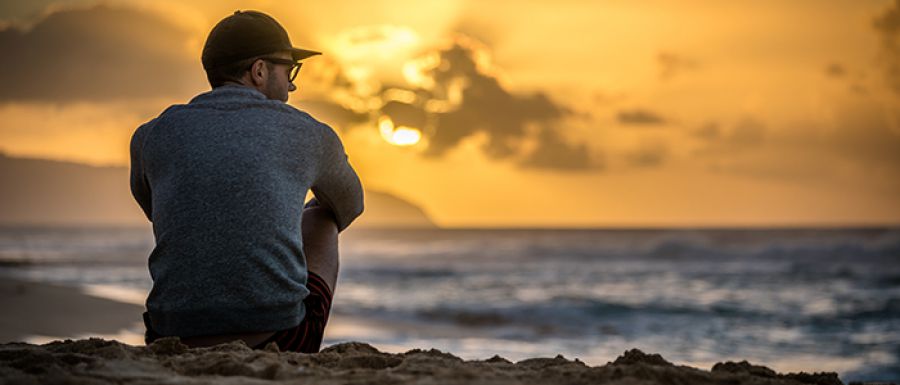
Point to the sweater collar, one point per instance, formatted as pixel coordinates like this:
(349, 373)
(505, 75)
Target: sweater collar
(229, 92)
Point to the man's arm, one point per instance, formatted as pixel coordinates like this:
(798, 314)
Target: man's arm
(337, 186)
(140, 189)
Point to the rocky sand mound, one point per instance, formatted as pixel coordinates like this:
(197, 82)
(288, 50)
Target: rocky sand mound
(97, 361)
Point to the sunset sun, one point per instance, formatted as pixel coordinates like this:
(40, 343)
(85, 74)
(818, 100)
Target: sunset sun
(400, 135)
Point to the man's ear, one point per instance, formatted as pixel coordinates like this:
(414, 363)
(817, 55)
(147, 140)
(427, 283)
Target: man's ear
(259, 73)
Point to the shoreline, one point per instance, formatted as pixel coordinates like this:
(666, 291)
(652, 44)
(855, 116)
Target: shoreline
(45, 311)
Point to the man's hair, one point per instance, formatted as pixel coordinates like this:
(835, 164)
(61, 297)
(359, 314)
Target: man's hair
(231, 72)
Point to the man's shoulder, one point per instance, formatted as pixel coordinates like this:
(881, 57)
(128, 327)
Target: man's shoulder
(302, 117)
(142, 129)
(148, 125)
(162, 115)
(297, 113)
(260, 111)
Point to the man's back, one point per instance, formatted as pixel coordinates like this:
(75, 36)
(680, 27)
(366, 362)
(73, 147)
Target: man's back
(223, 179)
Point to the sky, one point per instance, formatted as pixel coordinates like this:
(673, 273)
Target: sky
(563, 113)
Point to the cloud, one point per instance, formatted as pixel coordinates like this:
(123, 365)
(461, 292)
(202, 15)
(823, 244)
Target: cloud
(555, 153)
(863, 139)
(506, 117)
(888, 26)
(671, 64)
(835, 70)
(331, 113)
(855, 81)
(867, 133)
(709, 131)
(453, 93)
(649, 154)
(639, 117)
(99, 53)
(485, 106)
(717, 141)
(747, 132)
(404, 114)
(746, 148)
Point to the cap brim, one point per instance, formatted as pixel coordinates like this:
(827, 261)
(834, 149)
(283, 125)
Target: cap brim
(300, 54)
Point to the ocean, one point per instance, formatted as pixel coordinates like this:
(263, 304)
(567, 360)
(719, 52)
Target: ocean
(790, 299)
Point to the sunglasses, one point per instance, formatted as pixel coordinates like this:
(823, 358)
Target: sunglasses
(295, 66)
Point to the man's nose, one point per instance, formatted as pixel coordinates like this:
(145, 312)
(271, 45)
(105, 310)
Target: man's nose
(291, 87)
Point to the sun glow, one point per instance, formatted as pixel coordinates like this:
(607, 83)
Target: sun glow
(398, 136)
(372, 54)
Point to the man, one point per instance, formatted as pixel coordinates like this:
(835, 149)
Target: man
(223, 179)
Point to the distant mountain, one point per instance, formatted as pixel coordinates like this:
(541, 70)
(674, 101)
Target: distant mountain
(386, 210)
(48, 192)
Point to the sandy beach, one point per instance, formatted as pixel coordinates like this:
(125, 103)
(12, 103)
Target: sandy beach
(36, 310)
(98, 361)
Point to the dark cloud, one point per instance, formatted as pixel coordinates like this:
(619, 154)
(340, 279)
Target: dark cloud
(486, 107)
(864, 140)
(404, 114)
(868, 133)
(334, 114)
(322, 73)
(18, 10)
(835, 70)
(639, 117)
(708, 131)
(859, 89)
(511, 122)
(647, 155)
(854, 81)
(98, 53)
(888, 26)
(489, 108)
(745, 148)
(317, 81)
(671, 64)
(747, 133)
(555, 153)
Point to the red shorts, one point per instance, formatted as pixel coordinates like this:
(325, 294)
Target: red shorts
(307, 336)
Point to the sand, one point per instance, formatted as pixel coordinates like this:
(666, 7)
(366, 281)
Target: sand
(98, 361)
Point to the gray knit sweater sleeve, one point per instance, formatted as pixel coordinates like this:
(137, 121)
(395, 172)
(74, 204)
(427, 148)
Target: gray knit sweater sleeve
(337, 185)
(140, 188)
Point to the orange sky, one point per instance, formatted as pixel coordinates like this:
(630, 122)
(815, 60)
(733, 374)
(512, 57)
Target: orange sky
(537, 114)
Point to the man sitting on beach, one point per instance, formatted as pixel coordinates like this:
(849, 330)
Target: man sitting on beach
(223, 179)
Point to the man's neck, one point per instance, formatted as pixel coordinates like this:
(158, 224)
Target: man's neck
(234, 83)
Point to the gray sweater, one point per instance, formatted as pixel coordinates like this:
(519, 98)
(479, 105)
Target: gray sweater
(223, 179)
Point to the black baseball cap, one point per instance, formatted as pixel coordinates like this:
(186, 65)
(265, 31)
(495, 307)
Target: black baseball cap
(246, 34)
